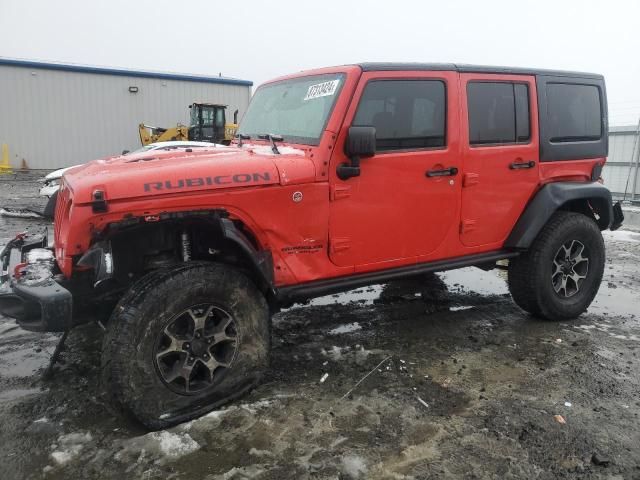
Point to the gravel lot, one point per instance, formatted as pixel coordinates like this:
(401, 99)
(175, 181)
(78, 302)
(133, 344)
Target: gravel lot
(461, 384)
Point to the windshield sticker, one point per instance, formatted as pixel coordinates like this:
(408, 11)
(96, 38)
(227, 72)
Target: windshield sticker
(324, 89)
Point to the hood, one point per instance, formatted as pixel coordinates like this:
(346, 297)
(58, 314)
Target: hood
(169, 172)
(56, 174)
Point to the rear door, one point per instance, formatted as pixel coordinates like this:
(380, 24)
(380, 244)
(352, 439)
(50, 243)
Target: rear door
(407, 196)
(501, 155)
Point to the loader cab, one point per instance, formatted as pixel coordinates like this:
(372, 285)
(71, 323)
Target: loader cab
(207, 122)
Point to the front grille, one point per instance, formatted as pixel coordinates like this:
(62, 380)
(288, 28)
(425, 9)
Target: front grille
(62, 209)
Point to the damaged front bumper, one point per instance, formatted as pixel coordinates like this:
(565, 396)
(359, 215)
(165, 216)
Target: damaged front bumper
(29, 291)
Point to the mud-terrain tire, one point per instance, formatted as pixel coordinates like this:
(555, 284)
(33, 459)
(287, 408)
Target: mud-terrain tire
(541, 280)
(163, 312)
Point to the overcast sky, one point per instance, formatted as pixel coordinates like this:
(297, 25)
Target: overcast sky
(259, 40)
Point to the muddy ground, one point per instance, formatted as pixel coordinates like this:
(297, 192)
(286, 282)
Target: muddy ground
(461, 384)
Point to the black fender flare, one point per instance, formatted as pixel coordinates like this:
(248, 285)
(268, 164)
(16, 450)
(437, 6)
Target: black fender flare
(261, 259)
(552, 197)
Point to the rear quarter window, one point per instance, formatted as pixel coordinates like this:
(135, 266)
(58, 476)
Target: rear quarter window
(572, 113)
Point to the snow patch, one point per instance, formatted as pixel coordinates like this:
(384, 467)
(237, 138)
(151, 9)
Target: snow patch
(365, 296)
(334, 353)
(460, 308)
(39, 255)
(357, 353)
(255, 406)
(346, 328)
(69, 447)
(354, 466)
(174, 445)
(18, 213)
(241, 473)
(216, 414)
(260, 453)
(164, 446)
(621, 236)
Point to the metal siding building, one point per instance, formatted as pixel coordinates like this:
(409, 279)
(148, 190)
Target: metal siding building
(55, 115)
(622, 163)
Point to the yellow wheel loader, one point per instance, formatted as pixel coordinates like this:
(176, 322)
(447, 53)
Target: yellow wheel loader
(208, 123)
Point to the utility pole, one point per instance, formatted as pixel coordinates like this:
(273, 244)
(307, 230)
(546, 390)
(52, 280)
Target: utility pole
(634, 185)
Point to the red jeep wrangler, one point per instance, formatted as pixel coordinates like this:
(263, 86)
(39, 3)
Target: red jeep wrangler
(339, 178)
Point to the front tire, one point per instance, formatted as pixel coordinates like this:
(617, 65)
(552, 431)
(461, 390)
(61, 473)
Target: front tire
(559, 276)
(183, 341)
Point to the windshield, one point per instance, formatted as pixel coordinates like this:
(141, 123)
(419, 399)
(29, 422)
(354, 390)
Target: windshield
(296, 109)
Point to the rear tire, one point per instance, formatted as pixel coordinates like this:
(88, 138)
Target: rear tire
(183, 341)
(559, 276)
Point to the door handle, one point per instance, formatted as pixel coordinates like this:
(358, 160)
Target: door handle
(521, 165)
(445, 172)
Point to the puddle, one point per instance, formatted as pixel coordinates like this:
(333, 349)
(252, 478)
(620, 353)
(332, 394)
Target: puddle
(475, 280)
(619, 301)
(24, 362)
(468, 279)
(610, 329)
(15, 393)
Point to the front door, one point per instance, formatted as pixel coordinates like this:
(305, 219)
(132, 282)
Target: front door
(500, 147)
(406, 198)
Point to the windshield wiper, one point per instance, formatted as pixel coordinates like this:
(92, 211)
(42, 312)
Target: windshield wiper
(241, 137)
(273, 139)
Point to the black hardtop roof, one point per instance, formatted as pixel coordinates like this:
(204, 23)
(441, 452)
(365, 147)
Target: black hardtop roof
(463, 68)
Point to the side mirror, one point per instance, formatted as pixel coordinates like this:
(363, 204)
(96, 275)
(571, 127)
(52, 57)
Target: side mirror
(361, 142)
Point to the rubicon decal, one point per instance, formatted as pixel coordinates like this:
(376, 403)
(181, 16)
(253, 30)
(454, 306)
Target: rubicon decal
(193, 182)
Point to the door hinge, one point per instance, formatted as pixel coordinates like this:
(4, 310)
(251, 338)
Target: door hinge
(340, 244)
(340, 191)
(467, 226)
(470, 179)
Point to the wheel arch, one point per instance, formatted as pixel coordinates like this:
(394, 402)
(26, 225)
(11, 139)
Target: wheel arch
(591, 199)
(213, 236)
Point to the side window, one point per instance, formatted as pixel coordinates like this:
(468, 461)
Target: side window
(523, 129)
(574, 112)
(407, 114)
(498, 113)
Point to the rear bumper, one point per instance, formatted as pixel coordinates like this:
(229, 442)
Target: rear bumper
(35, 299)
